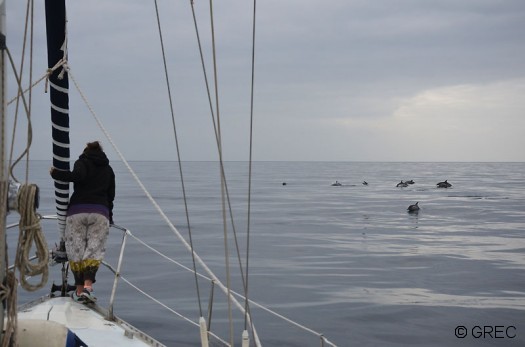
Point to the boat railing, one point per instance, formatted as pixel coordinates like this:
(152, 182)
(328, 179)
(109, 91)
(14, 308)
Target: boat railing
(109, 312)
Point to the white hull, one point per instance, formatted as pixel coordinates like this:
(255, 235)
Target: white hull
(88, 323)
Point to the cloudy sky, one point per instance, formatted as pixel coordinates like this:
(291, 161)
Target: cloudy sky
(343, 80)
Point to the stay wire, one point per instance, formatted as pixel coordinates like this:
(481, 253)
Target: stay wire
(178, 152)
(217, 138)
(250, 167)
(216, 134)
(223, 196)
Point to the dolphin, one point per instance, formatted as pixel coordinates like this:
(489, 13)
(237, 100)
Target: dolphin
(444, 184)
(413, 208)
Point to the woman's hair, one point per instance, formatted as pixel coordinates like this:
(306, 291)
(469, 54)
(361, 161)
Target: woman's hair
(93, 146)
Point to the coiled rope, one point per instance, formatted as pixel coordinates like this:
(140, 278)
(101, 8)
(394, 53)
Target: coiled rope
(31, 233)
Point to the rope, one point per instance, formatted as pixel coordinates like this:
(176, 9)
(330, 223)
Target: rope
(20, 93)
(31, 233)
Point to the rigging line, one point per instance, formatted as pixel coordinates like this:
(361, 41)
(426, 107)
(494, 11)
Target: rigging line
(3, 120)
(203, 66)
(214, 125)
(8, 287)
(46, 76)
(225, 229)
(250, 161)
(167, 258)
(15, 121)
(180, 315)
(270, 311)
(218, 144)
(21, 93)
(149, 196)
(29, 127)
(19, 82)
(32, 37)
(178, 153)
(27, 109)
(221, 161)
(9, 102)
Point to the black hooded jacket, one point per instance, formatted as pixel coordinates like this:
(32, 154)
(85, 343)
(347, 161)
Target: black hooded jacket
(93, 180)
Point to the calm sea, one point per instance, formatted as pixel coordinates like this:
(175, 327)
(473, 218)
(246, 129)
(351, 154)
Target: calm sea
(348, 262)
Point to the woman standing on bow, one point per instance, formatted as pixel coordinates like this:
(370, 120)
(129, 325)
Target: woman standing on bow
(89, 214)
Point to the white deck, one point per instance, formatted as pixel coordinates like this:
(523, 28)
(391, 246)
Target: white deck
(88, 324)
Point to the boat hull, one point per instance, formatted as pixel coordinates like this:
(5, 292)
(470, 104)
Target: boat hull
(87, 322)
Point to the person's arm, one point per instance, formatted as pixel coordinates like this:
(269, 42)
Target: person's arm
(78, 174)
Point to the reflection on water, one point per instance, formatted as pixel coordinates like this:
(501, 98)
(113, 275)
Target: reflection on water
(427, 297)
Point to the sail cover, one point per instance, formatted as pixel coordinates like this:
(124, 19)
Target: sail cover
(59, 86)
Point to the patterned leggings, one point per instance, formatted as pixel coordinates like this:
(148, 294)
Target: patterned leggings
(86, 235)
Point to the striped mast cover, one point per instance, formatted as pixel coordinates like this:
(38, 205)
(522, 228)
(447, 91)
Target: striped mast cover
(58, 80)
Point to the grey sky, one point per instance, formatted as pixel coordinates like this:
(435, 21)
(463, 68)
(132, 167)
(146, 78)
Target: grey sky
(384, 80)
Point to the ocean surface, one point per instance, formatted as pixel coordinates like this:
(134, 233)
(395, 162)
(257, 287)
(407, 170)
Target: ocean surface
(349, 262)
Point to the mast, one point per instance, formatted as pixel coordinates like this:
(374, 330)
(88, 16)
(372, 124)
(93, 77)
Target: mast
(57, 53)
(3, 161)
